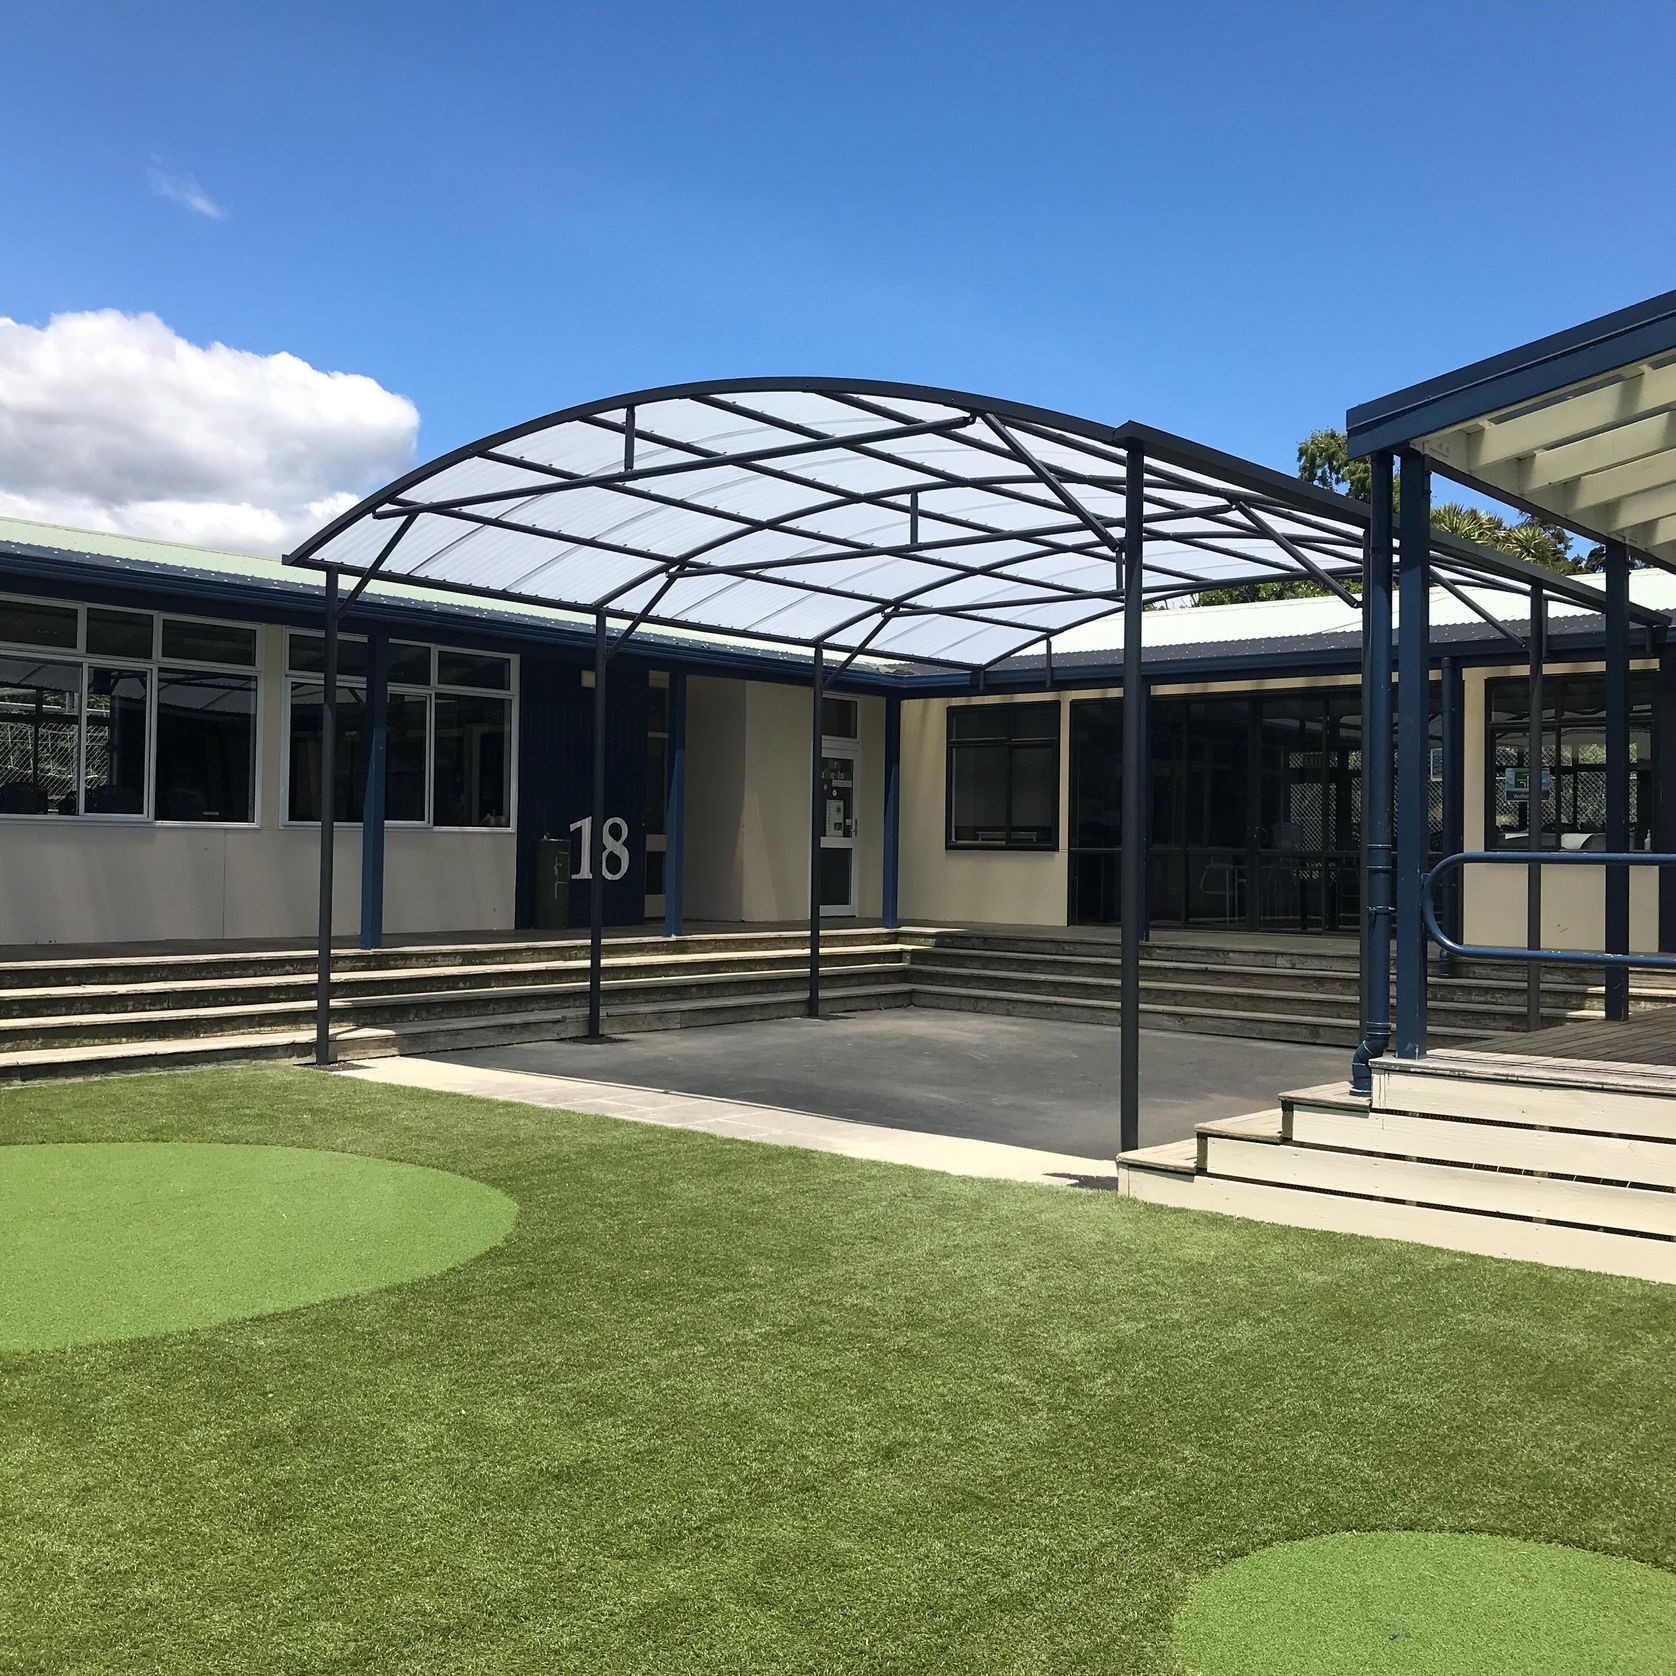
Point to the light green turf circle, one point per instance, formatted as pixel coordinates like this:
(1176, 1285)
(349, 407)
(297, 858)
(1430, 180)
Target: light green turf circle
(1414, 1603)
(125, 1239)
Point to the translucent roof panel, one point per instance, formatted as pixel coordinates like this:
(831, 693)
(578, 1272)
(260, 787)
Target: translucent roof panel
(884, 520)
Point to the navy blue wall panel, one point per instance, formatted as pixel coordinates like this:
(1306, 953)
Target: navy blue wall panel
(555, 776)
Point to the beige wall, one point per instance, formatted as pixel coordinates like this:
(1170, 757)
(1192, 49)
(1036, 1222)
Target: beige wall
(1001, 887)
(942, 886)
(748, 801)
(86, 881)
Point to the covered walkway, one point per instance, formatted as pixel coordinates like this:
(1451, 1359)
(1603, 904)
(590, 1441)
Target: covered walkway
(916, 538)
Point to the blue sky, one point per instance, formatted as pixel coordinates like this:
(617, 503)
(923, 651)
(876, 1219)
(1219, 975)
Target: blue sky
(1228, 220)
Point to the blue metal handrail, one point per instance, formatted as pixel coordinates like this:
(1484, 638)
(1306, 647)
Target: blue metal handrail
(1542, 858)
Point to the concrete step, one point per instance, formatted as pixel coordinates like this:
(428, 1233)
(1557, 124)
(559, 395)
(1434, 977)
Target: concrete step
(270, 989)
(214, 965)
(362, 1041)
(96, 1029)
(1220, 1021)
(1224, 974)
(1156, 989)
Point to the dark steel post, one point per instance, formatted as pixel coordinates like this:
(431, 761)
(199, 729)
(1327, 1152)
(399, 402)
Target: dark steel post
(328, 830)
(890, 904)
(596, 846)
(1378, 753)
(1617, 773)
(1535, 730)
(817, 821)
(373, 797)
(1453, 774)
(1133, 835)
(675, 811)
(1413, 823)
(1664, 789)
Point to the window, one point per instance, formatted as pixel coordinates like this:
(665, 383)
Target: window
(1003, 776)
(101, 727)
(473, 750)
(839, 718)
(1573, 781)
(206, 725)
(448, 749)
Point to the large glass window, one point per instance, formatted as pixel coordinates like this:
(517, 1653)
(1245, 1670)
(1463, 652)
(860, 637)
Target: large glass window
(114, 750)
(1253, 810)
(1573, 777)
(1003, 776)
(206, 731)
(101, 728)
(448, 751)
(40, 736)
(473, 760)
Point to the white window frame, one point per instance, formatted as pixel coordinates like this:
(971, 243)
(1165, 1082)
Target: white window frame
(508, 695)
(153, 668)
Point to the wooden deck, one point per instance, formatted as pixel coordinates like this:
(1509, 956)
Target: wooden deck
(1647, 1038)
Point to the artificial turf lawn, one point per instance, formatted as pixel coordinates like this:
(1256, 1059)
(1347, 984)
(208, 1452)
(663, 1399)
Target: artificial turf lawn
(118, 1239)
(719, 1407)
(1422, 1604)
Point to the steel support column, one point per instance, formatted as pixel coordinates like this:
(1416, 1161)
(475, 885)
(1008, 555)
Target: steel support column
(890, 905)
(1617, 773)
(1454, 797)
(596, 841)
(817, 814)
(373, 796)
(1413, 824)
(675, 811)
(1133, 833)
(1664, 789)
(1535, 730)
(328, 830)
(1378, 753)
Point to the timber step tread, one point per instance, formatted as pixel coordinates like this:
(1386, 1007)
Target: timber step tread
(1266, 1126)
(1528, 1069)
(1175, 1157)
(1555, 1245)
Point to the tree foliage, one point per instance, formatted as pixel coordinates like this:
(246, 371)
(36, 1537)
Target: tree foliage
(1324, 460)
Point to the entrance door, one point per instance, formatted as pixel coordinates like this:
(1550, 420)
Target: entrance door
(838, 828)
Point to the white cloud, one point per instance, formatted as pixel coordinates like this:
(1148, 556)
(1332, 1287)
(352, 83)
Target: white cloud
(183, 190)
(111, 421)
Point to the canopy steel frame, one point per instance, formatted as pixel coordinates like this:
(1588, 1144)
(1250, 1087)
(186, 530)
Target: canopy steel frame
(923, 528)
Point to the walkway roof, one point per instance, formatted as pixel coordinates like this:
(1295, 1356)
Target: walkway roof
(890, 521)
(1578, 427)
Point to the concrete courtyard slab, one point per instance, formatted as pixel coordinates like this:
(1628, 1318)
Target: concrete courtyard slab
(1046, 1087)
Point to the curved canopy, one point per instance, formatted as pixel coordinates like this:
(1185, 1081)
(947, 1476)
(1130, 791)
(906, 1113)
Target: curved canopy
(887, 520)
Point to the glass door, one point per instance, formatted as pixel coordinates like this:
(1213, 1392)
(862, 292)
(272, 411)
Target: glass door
(838, 828)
